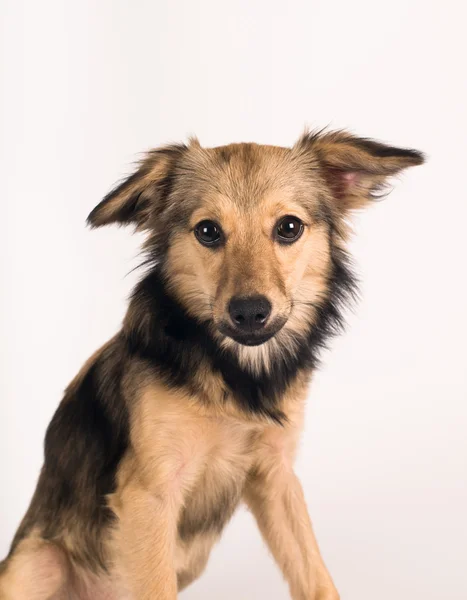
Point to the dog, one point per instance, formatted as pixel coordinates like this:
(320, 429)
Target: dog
(197, 403)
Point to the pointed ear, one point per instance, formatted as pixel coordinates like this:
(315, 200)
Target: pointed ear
(356, 169)
(143, 192)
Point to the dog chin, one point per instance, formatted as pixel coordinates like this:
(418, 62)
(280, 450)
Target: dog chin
(251, 338)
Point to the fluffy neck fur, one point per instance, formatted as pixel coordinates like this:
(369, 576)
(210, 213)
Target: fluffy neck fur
(159, 329)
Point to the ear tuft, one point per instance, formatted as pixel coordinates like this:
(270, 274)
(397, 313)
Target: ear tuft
(356, 169)
(132, 200)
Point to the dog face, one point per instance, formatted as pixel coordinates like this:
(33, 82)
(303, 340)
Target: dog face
(253, 245)
(244, 234)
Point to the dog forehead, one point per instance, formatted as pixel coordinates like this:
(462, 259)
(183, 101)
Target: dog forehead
(244, 177)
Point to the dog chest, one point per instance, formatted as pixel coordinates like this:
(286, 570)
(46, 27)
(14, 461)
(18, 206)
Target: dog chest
(217, 492)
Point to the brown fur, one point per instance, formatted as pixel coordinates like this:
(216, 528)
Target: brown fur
(173, 423)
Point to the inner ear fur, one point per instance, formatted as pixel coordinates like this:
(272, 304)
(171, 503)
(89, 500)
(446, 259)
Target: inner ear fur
(132, 200)
(356, 169)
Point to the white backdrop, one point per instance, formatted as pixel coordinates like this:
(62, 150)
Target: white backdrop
(87, 85)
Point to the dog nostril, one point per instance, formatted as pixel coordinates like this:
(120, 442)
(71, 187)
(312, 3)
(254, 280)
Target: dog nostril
(249, 313)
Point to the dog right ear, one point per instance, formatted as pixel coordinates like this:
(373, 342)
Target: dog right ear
(133, 200)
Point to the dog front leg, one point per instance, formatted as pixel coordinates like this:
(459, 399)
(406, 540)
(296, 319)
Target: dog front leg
(145, 543)
(276, 499)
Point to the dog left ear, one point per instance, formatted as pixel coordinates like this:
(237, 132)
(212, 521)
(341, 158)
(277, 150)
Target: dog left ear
(356, 169)
(133, 200)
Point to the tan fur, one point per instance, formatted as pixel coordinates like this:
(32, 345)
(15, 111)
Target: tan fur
(276, 499)
(37, 571)
(179, 452)
(164, 473)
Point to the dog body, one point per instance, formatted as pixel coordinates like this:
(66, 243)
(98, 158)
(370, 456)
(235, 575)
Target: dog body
(197, 403)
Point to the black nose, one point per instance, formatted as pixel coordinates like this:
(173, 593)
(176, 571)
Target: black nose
(251, 313)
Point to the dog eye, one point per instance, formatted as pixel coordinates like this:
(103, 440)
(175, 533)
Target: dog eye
(289, 229)
(208, 233)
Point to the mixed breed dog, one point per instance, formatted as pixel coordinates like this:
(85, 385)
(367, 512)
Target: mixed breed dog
(197, 403)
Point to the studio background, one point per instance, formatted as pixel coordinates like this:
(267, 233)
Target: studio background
(87, 85)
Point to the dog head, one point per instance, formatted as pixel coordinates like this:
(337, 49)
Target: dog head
(244, 234)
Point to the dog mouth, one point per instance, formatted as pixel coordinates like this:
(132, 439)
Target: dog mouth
(252, 338)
